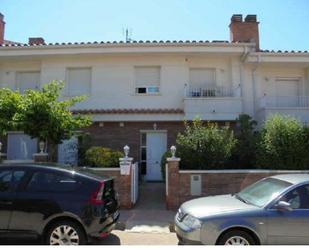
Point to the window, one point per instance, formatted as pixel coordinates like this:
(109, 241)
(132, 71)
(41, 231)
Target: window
(28, 80)
(51, 182)
(298, 198)
(78, 81)
(202, 77)
(143, 153)
(147, 80)
(5, 180)
(261, 192)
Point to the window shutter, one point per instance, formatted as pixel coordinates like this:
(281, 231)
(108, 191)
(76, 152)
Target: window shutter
(79, 81)
(202, 77)
(28, 80)
(147, 76)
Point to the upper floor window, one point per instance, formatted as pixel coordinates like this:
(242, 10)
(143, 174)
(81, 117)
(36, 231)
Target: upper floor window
(147, 80)
(28, 80)
(78, 81)
(202, 77)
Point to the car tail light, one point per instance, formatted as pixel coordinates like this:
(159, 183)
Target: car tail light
(97, 195)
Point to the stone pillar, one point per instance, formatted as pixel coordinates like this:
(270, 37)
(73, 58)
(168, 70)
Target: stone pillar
(40, 157)
(172, 181)
(125, 179)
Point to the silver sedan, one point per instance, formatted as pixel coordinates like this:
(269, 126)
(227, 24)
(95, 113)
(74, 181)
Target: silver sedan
(274, 210)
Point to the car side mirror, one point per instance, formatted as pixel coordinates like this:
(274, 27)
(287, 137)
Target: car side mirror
(283, 206)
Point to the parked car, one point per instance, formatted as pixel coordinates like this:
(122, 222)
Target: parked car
(64, 206)
(274, 210)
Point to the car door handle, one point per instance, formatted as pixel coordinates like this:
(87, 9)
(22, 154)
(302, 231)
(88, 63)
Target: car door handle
(6, 202)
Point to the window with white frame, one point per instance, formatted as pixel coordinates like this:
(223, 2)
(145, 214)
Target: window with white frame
(78, 81)
(147, 80)
(28, 80)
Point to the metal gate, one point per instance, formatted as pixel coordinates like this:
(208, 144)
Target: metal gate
(68, 152)
(134, 183)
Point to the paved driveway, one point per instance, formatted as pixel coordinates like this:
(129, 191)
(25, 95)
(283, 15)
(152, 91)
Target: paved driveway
(115, 238)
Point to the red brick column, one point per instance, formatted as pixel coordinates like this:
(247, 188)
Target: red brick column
(172, 183)
(125, 182)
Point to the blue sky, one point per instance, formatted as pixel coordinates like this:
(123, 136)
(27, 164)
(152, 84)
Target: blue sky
(284, 24)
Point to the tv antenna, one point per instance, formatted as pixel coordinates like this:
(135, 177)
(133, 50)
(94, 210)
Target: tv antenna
(127, 33)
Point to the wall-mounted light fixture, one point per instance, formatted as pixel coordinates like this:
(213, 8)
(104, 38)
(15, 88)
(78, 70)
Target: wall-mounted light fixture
(101, 124)
(121, 124)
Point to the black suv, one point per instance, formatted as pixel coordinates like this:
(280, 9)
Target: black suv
(62, 205)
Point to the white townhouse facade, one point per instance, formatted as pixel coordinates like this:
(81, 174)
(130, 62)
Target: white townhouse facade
(140, 92)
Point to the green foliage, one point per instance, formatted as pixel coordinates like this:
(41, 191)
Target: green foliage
(247, 138)
(40, 113)
(102, 157)
(283, 144)
(84, 143)
(10, 105)
(44, 116)
(204, 146)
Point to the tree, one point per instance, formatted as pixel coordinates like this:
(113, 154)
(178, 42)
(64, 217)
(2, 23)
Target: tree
(283, 144)
(10, 105)
(40, 113)
(47, 118)
(246, 142)
(204, 146)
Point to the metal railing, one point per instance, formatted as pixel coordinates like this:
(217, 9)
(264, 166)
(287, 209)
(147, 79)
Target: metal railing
(284, 101)
(208, 92)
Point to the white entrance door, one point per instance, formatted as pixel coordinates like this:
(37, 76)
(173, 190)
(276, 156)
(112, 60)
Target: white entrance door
(156, 146)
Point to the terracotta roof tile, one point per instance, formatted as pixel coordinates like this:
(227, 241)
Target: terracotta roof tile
(128, 111)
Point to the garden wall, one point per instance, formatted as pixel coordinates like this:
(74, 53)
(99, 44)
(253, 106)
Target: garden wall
(184, 185)
(122, 184)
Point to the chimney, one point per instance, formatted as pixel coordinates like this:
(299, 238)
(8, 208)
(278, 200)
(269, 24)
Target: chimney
(245, 31)
(2, 24)
(36, 41)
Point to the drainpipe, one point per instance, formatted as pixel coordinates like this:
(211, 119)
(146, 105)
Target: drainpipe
(243, 59)
(253, 73)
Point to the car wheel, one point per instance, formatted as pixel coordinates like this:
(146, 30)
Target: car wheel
(65, 233)
(236, 237)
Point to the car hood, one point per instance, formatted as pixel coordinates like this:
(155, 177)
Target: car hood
(212, 205)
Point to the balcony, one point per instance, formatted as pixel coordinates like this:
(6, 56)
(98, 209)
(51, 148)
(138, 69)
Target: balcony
(212, 103)
(296, 106)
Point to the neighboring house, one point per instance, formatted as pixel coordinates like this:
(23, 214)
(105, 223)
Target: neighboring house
(140, 92)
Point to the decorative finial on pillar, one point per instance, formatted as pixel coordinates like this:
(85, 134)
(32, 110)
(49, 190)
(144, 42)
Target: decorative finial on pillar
(173, 151)
(126, 150)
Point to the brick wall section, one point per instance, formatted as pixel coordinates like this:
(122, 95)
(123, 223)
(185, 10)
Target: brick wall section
(213, 183)
(122, 185)
(113, 136)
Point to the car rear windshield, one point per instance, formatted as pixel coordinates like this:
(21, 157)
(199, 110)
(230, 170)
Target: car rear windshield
(262, 192)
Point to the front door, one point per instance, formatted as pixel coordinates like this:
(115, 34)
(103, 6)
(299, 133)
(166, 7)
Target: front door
(156, 143)
(21, 146)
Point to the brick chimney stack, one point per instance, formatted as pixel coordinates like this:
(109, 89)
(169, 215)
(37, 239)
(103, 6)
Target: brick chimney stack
(245, 31)
(36, 40)
(2, 24)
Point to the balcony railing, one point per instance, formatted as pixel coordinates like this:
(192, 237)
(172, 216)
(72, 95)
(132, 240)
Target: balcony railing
(284, 101)
(210, 92)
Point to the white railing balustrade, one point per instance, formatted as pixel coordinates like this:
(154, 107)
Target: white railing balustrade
(216, 91)
(284, 101)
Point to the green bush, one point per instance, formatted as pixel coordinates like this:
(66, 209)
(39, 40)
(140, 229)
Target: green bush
(102, 157)
(204, 146)
(84, 143)
(283, 144)
(244, 155)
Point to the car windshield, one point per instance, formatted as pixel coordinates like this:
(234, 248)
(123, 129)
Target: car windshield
(261, 192)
